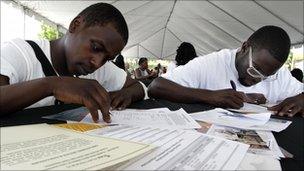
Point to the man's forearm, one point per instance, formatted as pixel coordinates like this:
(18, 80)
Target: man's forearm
(18, 96)
(165, 89)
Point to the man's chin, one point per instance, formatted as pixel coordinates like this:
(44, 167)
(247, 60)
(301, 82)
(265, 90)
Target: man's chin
(244, 83)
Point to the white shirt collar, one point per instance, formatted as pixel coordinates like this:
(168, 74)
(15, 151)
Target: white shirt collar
(232, 62)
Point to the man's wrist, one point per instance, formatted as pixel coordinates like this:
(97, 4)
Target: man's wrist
(50, 82)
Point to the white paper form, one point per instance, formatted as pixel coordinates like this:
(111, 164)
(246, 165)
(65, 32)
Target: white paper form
(216, 116)
(223, 117)
(45, 147)
(155, 118)
(178, 149)
(251, 108)
(261, 117)
(259, 162)
(273, 124)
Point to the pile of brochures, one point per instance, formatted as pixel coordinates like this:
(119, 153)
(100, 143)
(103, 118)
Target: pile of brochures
(154, 139)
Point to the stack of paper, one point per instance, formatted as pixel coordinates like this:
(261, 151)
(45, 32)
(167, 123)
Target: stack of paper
(180, 146)
(178, 149)
(251, 125)
(251, 108)
(154, 117)
(45, 147)
(159, 117)
(259, 121)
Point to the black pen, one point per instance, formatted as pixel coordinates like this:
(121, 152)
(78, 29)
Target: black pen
(233, 85)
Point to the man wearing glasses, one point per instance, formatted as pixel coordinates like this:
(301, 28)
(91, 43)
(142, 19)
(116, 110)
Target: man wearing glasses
(228, 78)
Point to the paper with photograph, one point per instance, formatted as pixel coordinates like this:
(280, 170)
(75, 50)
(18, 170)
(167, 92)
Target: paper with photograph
(261, 142)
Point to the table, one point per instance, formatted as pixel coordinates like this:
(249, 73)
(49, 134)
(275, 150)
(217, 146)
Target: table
(291, 139)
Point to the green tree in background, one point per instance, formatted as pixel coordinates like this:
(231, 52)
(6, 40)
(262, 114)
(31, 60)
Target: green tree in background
(49, 32)
(289, 61)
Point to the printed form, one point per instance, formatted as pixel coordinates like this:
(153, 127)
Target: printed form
(178, 149)
(155, 118)
(222, 117)
(45, 147)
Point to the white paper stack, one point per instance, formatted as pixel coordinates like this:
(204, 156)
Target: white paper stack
(178, 149)
(162, 117)
(259, 121)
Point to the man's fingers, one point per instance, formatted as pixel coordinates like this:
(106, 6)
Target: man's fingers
(105, 113)
(113, 95)
(240, 95)
(262, 100)
(239, 102)
(93, 108)
(103, 99)
(233, 104)
(286, 109)
(94, 114)
(125, 104)
(276, 108)
(255, 98)
(116, 103)
(103, 106)
(294, 110)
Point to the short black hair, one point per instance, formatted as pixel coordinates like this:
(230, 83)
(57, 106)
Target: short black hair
(142, 60)
(103, 13)
(120, 62)
(297, 73)
(185, 53)
(272, 38)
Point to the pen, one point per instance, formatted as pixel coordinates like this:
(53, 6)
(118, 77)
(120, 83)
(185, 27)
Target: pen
(233, 85)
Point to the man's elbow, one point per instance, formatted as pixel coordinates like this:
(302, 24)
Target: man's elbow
(140, 86)
(154, 87)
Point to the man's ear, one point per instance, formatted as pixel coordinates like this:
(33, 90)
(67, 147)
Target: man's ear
(245, 47)
(75, 24)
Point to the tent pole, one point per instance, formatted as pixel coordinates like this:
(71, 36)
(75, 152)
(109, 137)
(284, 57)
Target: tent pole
(137, 7)
(149, 51)
(221, 30)
(174, 35)
(162, 48)
(137, 50)
(231, 16)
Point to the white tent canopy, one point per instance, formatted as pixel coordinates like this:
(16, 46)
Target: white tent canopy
(158, 27)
